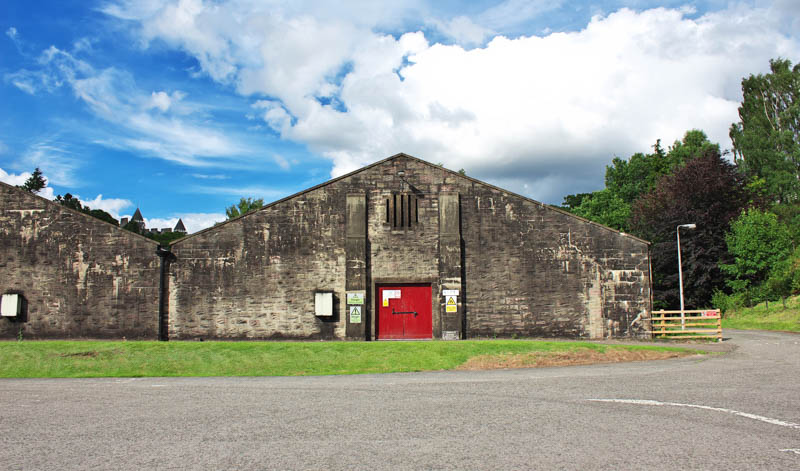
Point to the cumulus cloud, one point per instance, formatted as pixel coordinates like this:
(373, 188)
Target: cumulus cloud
(19, 179)
(13, 179)
(163, 101)
(110, 205)
(536, 114)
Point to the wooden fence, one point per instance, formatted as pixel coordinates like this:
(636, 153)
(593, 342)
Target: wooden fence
(695, 325)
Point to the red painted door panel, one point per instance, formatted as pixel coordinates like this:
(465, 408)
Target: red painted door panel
(404, 312)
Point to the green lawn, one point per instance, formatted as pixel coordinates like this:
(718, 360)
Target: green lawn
(761, 317)
(82, 359)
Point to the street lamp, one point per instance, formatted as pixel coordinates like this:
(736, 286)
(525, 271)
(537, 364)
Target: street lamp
(680, 268)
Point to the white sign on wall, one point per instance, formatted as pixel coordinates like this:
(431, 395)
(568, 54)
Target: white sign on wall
(355, 314)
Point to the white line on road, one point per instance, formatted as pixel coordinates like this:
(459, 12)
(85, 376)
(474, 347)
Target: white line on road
(796, 451)
(647, 402)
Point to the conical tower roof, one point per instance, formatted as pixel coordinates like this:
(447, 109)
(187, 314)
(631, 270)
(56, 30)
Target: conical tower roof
(179, 227)
(137, 216)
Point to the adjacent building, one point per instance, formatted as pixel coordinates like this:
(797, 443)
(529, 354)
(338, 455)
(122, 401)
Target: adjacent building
(400, 249)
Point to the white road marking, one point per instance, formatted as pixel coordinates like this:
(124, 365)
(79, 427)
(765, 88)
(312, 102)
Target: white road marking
(647, 402)
(796, 451)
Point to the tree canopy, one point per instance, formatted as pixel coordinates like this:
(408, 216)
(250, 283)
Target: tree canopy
(766, 140)
(757, 242)
(74, 203)
(35, 183)
(244, 206)
(709, 192)
(627, 180)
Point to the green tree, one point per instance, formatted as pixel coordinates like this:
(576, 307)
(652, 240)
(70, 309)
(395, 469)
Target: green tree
(74, 203)
(709, 192)
(573, 201)
(132, 226)
(784, 278)
(627, 180)
(606, 208)
(245, 206)
(165, 238)
(100, 214)
(766, 140)
(757, 241)
(631, 178)
(35, 183)
(69, 201)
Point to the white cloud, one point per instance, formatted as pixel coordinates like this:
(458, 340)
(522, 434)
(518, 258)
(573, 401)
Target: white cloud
(203, 176)
(13, 179)
(110, 205)
(56, 163)
(163, 101)
(268, 194)
(160, 124)
(274, 115)
(193, 221)
(546, 111)
(19, 179)
(281, 161)
(512, 12)
(463, 30)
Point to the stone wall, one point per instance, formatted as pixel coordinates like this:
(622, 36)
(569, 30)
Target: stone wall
(80, 277)
(521, 267)
(255, 276)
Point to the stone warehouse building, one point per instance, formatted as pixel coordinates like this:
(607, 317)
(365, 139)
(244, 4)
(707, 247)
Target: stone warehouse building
(400, 249)
(73, 275)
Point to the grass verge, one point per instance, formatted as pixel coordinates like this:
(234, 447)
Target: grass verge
(772, 316)
(86, 359)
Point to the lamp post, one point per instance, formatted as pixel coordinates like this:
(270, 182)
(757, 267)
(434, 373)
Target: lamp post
(680, 269)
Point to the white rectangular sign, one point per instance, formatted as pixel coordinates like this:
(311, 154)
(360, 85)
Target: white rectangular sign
(449, 292)
(355, 297)
(391, 293)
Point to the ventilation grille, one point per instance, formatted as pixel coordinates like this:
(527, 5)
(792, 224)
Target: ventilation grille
(401, 211)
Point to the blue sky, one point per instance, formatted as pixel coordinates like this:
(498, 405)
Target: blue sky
(180, 108)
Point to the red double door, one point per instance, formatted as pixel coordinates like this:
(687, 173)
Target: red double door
(404, 312)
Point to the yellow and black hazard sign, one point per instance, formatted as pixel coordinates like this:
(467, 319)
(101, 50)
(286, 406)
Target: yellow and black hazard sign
(451, 305)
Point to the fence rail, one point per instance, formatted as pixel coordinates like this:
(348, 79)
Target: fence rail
(693, 325)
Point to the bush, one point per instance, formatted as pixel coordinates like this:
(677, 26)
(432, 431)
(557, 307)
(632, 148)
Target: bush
(758, 242)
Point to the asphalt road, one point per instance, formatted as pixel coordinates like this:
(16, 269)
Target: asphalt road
(738, 410)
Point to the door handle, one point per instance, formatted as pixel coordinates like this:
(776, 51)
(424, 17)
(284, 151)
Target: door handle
(404, 312)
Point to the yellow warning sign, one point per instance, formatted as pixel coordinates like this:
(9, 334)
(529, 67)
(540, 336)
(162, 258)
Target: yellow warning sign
(385, 302)
(451, 304)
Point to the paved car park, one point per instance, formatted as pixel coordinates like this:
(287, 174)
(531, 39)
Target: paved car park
(735, 410)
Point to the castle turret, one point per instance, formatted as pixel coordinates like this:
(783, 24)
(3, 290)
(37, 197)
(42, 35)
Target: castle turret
(138, 219)
(179, 227)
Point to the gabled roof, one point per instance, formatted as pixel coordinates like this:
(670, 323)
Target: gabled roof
(410, 157)
(81, 214)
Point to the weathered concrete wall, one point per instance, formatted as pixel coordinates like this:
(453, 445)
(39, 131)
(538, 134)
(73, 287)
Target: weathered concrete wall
(81, 277)
(522, 268)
